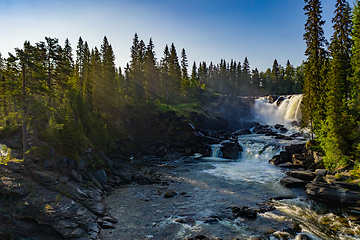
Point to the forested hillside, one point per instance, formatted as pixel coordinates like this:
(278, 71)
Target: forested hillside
(72, 99)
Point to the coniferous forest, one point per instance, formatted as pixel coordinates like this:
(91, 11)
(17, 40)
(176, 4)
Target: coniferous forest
(331, 84)
(72, 100)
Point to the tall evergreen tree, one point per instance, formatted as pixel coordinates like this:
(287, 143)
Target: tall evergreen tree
(174, 74)
(151, 72)
(335, 129)
(314, 82)
(165, 75)
(354, 102)
(246, 77)
(184, 69)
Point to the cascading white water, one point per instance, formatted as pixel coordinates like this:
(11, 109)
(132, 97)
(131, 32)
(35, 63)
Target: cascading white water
(270, 113)
(253, 166)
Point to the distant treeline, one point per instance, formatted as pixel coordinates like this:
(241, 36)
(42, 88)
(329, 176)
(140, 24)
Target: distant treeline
(145, 77)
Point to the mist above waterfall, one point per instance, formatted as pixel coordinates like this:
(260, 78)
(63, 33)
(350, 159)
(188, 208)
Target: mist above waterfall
(285, 110)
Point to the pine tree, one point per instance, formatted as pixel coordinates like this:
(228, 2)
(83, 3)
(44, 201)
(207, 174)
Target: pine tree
(314, 82)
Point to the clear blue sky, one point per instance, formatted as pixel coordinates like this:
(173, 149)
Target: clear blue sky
(209, 30)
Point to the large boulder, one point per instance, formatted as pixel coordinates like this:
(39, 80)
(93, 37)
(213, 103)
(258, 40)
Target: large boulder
(291, 182)
(329, 193)
(303, 175)
(231, 150)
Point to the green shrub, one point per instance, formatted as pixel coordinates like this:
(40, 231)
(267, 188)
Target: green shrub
(5, 154)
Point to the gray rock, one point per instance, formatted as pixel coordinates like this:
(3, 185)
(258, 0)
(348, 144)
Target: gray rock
(100, 175)
(93, 231)
(291, 182)
(77, 176)
(110, 219)
(332, 194)
(231, 150)
(47, 178)
(96, 182)
(321, 172)
(107, 225)
(303, 175)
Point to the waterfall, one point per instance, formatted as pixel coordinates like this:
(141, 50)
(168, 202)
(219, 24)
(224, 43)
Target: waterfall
(288, 111)
(215, 151)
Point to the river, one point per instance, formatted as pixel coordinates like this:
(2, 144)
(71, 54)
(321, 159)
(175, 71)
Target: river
(206, 188)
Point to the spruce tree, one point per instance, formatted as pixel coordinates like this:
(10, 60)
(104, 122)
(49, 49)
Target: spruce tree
(246, 77)
(335, 129)
(354, 102)
(151, 72)
(184, 69)
(314, 82)
(174, 74)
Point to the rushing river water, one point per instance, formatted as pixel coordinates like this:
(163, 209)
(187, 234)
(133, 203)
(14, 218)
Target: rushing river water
(207, 187)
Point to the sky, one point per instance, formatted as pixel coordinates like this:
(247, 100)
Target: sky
(208, 30)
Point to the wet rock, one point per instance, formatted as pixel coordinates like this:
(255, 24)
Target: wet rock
(262, 129)
(281, 158)
(282, 235)
(241, 132)
(278, 126)
(187, 220)
(279, 101)
(170, 194)
(302, 236)
(244, 211)
(303, 175)
(210, 220)
(272, 98)
(231, 150)
(291, 182)
(77, 176)
(283, 130)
